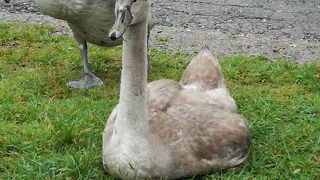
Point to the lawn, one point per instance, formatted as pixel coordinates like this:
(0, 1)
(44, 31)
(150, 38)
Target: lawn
(49, 131)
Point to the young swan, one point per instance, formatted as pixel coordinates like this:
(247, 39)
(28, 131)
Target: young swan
(168, 129)
(89, 20)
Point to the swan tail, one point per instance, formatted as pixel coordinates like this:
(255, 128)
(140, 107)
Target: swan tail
(204, 72)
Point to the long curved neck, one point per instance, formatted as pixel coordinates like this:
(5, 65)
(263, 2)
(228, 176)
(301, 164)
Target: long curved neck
(132, 114)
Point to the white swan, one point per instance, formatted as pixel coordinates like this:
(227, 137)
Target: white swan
(168, 129)
(90, 21)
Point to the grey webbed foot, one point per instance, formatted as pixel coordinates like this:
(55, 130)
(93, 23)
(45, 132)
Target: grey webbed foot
(86, 81)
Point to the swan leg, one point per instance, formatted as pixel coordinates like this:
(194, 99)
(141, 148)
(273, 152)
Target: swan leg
(88, 79)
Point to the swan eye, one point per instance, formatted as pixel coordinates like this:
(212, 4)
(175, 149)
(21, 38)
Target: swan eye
(134, 1)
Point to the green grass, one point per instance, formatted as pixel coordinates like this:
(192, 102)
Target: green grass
(48, 131)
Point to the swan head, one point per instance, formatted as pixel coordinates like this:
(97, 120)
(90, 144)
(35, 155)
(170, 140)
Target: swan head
(128, 13)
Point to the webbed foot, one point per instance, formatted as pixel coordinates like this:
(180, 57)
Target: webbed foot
(86, 81)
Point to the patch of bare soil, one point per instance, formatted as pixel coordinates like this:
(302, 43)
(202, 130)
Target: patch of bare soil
(278, 29)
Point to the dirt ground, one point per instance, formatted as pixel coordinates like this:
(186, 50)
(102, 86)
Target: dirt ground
(278, 29)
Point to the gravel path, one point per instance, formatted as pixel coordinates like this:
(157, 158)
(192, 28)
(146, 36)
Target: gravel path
(278, 29)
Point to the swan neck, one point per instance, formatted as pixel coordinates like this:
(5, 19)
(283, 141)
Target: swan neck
(132, 116)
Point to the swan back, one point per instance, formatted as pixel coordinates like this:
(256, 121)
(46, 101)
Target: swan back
(203, 83)
(203, 72)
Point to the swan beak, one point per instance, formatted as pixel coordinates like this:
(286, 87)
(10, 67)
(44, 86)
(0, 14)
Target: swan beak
(123, 20)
